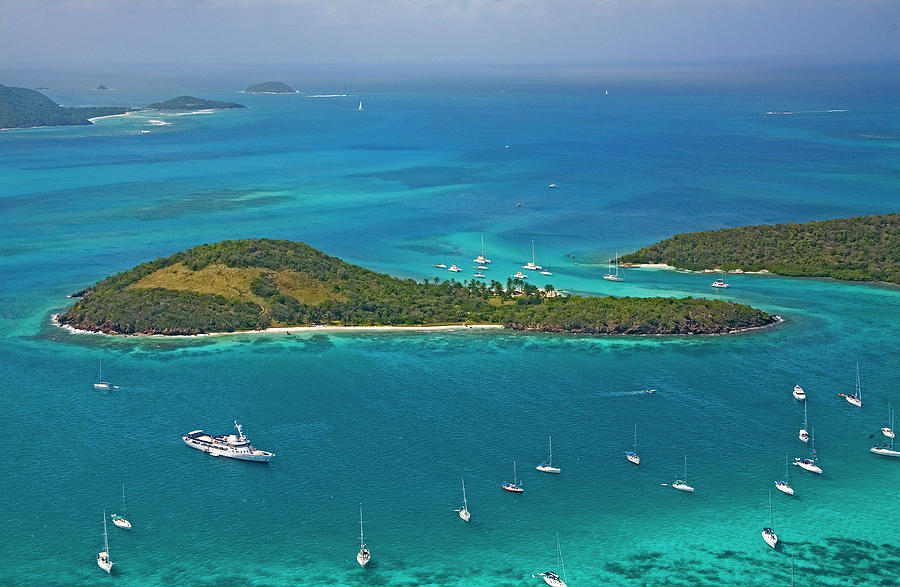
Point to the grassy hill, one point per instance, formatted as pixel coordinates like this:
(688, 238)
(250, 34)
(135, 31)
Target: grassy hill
(24, 108)
(862, 248)
(259, 283)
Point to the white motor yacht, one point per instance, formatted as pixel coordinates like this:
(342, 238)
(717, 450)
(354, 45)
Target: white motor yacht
(234, 446)
(799, 393)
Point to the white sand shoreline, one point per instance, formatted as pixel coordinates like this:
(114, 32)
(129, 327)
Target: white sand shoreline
(91, 120)
(286, 329)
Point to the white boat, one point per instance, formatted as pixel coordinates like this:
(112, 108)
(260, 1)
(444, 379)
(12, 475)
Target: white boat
(479, 274)
(514, 487)
(443, 263)
(799, 393)
(520, 275)
(464, 510)
(360, 107)
(481, 259)
(768, 533)
(552, 578)
(889, 430)
(804, 433)
(482, 267)
(810, 464)
(546, 271)
(855, 398)
(547, 466)
(610, 276)
(118, 520)
(234, 446)
(103, 556)
(454, 269)
(552, 185)
(720, 282)
(681, 484)
(886, 450)
(783, 486)
(632, 455)
(105, 385)
(531, 266)
(363, 556)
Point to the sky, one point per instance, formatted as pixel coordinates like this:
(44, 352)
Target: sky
(48, 34)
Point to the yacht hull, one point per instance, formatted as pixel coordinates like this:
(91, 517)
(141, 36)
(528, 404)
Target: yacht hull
(784, 488)
(255, 456)
(885, 452)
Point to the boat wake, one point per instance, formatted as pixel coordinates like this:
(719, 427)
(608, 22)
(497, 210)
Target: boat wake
(790, 112)
(328, 95)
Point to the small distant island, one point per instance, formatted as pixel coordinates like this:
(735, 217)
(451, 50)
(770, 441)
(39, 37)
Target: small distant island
(255, 284)
(861, 248)
(270, 88)
(26, 108)
(192, 103)
(102, 87)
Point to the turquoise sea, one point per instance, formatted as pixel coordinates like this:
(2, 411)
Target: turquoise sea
(394, 420)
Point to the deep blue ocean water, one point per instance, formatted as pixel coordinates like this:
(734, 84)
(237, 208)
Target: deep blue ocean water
(394, 420)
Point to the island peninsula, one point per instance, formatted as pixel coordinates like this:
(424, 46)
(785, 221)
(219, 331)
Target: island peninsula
(256, 284)
(861, 248)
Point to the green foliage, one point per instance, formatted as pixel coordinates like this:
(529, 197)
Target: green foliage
(864, 248)
(192, 103)
(364, 297)
(270, 88)
(24, 108)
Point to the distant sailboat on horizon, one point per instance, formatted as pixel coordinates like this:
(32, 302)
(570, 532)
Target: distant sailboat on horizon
(360, 107)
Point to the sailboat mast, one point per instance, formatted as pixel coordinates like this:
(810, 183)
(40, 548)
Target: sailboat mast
(858, 389)
(123, 498)
(105, 535)
(362, 542)
(550, 459)
(465, 503)
(685, 468)
(515, 478)
(771, 519)
(635, 438)
(559, 559)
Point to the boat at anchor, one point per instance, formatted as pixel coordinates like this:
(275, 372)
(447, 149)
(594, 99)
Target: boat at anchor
(233, 446)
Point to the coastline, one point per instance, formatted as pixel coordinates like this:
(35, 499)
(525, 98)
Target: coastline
(672, 268)
(54, 318)
(91, 120)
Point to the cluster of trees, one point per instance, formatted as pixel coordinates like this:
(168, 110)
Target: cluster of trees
(864, 248)
(192, 103)
(24, 108)
(358, 296)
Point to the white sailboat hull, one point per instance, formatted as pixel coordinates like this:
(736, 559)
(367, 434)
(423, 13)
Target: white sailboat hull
(464, 515)
(634, 459)
(122, 523)
(887, 432)
(548, 469)
(104, 563)
(683, 487)
(363, 557)
(613, 278)
(771, 538)
(885, 452)
(811, 467)
(784, 488)
(804, 435)
(853, 400)
(553, 580)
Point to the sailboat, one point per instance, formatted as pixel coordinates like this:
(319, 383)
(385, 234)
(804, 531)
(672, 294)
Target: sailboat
(720, 282)
(889, 431)
(768, 533)
(481, 259)
(804, 434)
(799, 393)
(103, 384)
(783, 486)
(547, 466)
(363, 556)
(810, 463)
(550, 577)
(609, 274)
(855, 398)
(103, 556)
(632, 455)
(464, 510)
(443, 263)
(514, 486)
(546, 271)
(681, 484)
(886, 450)
(118, 520)
(360, 107)
(531, 266)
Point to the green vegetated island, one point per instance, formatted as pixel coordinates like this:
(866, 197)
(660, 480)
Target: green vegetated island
(261, 283)
(270, 88)
(862, 248)
(25, 108)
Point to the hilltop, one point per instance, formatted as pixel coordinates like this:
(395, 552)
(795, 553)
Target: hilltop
(270, 88)
(192, 103)
(261, 283)
(24, 108)
(862, 248)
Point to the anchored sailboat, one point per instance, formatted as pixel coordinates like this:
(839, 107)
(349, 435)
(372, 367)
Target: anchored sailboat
(118, 520)
(886, 450)
(531, 266)
(783, 486)
(464, 510)
(547, 466)
(609, 274)
(810, 463)
(360, 107)
(551, 578)
(681, 484)
(855, 398)
(514, 486)
(363, 556)
(481, 259)
(105, 385)
(632, 455)
(103, 556)
(768, 533)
